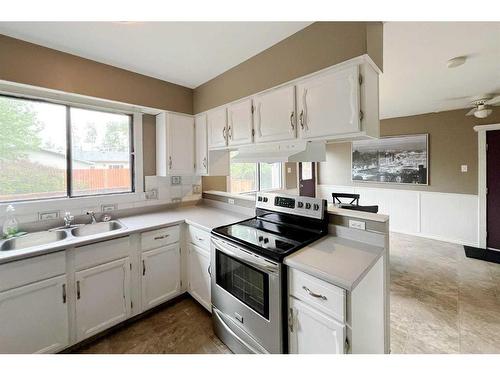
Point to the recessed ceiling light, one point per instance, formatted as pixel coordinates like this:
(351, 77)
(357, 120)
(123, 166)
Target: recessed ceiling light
(456, 61)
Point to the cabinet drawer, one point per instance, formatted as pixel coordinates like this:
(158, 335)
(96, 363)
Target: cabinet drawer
(26, 271)
(199, 237)
(159, 237)
(101, 252)
(326, 297)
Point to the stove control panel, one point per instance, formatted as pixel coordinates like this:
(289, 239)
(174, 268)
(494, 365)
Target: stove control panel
(296, 205)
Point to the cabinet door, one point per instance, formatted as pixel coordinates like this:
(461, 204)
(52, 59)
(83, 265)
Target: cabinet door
(312, 332)
(34, 318)
(199, 276)
(201, 145)
(217, 127)
(275, 115)
(328, 105)
(180, 138)
(102, 297)
(161, 275)
(240, 123)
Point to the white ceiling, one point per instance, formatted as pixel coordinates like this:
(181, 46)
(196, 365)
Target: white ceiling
(416, 79)
(186, 53)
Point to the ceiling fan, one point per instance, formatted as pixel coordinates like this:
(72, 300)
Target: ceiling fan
(481, 106)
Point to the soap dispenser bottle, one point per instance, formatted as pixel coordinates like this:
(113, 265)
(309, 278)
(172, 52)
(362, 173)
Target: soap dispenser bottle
(10, 225)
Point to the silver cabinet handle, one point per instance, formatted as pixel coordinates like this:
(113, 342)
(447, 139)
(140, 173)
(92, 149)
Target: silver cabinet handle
(200, 239)
(315, 295)
(205, 162)
(209, 270)
(290, 319)
(230, 133)
(78, 289)
(161, 237)
(302, 119)
(170, 162)
(64, 293)
(292, 115)
(224, 133)
(143, 267)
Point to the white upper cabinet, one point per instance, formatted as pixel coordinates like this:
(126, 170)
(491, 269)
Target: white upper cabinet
(240, 123)
(34, 318)
(217, 127)
(201, 145)
(174, 144)
(274, 115)
(329, 104)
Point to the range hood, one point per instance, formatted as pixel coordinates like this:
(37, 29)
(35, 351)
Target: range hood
(287, 151)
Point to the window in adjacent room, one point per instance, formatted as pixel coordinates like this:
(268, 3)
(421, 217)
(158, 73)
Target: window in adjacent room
(251, 177)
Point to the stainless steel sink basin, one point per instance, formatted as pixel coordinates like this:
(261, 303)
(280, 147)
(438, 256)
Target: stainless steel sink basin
(97, 228)
(32, 239)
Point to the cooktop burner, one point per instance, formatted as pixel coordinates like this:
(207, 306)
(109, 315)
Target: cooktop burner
(275, 234)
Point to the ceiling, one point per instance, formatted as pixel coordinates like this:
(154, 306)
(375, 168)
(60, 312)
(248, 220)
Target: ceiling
(186, 53)
(416, 79)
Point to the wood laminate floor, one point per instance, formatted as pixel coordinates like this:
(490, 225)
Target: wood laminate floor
(441, 302)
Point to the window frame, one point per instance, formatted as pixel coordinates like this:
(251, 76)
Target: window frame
(258, 182)
(69, 168)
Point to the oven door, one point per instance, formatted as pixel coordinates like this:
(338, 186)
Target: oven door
(246, 299)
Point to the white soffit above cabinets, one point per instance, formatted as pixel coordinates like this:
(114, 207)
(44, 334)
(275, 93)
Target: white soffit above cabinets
(416, 78)
(185, 53)
(284, 151)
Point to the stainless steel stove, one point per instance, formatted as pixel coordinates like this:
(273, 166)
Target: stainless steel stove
(248, 276)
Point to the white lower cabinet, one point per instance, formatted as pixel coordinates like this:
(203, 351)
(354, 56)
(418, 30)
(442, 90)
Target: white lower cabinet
(199, 275)
(312, 332)
(34, 317)
(102, 297)
(160, 275)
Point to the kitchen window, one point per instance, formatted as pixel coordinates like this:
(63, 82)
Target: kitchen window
(50, 150)
(252, 177)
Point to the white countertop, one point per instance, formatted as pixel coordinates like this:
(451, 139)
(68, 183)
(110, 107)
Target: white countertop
(202, 216)
(336, 260)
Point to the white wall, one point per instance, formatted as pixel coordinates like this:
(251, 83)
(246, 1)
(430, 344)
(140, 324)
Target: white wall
(442, 216)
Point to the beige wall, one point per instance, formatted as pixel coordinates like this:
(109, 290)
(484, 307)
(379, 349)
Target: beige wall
(452, 142)
(318, 46)
(149, 144)
(32, 64)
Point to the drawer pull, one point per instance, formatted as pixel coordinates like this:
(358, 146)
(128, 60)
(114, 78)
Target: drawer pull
(200, 239)
(143, 267)
(315, 295)
(64, 293)
(162, 237)
(78, 290)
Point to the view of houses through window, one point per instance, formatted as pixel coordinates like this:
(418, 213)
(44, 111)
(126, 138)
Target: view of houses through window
(34, 158)
(251, 177)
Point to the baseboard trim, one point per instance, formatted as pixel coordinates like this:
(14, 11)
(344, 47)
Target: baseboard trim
(487, 255)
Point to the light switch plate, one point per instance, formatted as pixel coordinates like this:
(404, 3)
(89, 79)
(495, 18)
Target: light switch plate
(230, 201)
(464, 168)
(356, 224)
(176, 180)
(50, 215)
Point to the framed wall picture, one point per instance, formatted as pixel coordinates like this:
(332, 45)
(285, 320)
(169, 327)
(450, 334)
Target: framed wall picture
(395, 160)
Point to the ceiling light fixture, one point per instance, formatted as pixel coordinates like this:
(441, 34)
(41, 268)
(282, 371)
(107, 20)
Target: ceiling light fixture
(456, 61)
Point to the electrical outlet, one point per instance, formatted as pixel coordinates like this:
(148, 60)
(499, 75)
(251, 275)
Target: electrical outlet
(108, 207)
(176, 200)
(196, 189)
(48, 215)
(152, 194)
(464, 168)
(230, 201)
(356, 224)
(289, 170)
(176, 180)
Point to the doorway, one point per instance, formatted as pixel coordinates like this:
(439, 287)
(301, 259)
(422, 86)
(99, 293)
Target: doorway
(307, 179)
(493, 189)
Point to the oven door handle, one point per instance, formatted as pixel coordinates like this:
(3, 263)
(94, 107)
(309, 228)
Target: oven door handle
(255, 261)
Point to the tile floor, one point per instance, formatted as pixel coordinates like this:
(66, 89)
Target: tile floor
(441, 302)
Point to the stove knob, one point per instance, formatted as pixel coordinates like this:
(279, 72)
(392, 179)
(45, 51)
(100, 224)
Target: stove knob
(261, 238)
(308, 206)
(259, 199)
(265, 199)
(316, 207)
(266, 240)
(300, 204)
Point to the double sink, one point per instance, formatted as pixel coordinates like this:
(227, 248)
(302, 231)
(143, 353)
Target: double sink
(58, 234)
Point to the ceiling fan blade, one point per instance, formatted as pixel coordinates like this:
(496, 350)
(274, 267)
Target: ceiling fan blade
(494, 101)
(471, 112)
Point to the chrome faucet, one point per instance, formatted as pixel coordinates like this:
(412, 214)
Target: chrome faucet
(68, 218)
(93, 220)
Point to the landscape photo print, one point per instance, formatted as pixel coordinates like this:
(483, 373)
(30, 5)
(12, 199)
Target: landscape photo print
(399, 160)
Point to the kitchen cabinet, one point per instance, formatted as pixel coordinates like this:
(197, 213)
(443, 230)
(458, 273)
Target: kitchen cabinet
(34, 317)
(208, 163)
(274, 115)
(161, 275)
(240, 122)
(217, 127)
(102, 297)
(312, 332)
(199, 275)
(328, 104)
(174, 144)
